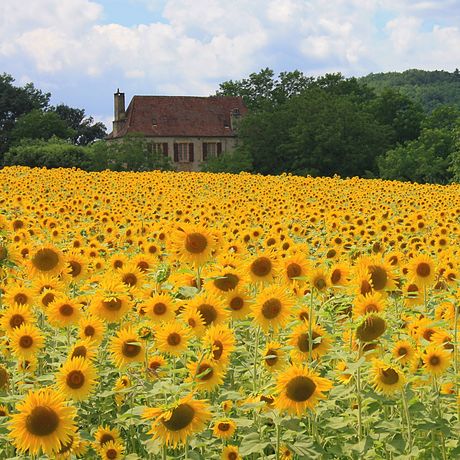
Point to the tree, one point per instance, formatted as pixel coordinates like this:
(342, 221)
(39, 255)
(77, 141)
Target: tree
(14, 102)
(129, 154)
(52, 153)
(86, 130)
(39, 124)
(233, 162)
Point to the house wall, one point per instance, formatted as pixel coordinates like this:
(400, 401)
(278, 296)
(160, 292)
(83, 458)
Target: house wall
(228, 144)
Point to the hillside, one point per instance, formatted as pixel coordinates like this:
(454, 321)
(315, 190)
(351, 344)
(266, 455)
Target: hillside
(430, 88)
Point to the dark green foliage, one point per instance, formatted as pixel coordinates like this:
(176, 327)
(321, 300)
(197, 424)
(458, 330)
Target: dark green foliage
(234, 162)
(129, 154)
(53, 153)
(429, 88)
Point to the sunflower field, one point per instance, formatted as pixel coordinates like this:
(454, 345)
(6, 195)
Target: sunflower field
(215, 316)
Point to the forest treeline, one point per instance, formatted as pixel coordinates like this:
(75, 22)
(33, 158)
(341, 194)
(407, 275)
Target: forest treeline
(403, 126)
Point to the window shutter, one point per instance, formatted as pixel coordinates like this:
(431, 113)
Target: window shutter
(165, 148)
(205, 151)
(191, 156)
(219, 148)
(176, 153)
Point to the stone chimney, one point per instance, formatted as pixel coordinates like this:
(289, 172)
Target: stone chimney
(119, 112)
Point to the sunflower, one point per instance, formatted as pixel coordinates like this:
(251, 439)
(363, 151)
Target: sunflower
(18, 294)
(77, 266)
(422, 270)
(225, 279)
(43, 422)
(319, 279)
(26, 340)
(443, 339)
(174, 424)
(224, 429)
(403, 351)
(386, 379)
(344, 375)
(273, 356)
(238, 303)
(370, 328)
(210, 307)
(92, 328)
(104, 435)
(76, 379)
(230, 453)
(295, 268)
(126, 347)
(112, 451)
(195, 321)
(436, 360)
(172, 338)
(47, 260)
(28, 366)
(156, 366)
(300, 341)
(131, 276)
(194, 244)
(412, 294)
(272, 307)
(220, 340)
(111, 306)
(160, 308)
(63, 312)
(370, 303)
(4, 411)
(299, 389)
(72, 447)
(339, 275)
(15, 316)
(262, 267)
(206, 374)
(86, 348)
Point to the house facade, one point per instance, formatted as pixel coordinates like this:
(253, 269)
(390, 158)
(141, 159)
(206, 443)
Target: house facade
(188, 129)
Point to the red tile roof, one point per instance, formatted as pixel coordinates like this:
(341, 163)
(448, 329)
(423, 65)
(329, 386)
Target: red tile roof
(168, 116)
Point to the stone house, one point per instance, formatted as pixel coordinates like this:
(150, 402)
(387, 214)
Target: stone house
(186, 128)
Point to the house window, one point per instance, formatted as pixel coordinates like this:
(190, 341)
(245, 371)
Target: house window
(183, 152)
(211, 150)
(158, 148)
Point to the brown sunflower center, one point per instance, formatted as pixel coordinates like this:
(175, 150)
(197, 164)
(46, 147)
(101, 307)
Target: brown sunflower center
(154, 365)
(48, 298)
(45, 260)
(79, 350)
(303, 342)
(365, 287)
(319, 283)
(159, 308)
(89, 331)
(379, 277)
(3, 377)
(42, 421)
(293, 270)
(75, 268)
(3, 253)
(371, 308)
(105, 438)
(223, 426)
(67, 446)
(227, 282)
(16, 320)
(112, 305)
(336, 276)
(271, 308)
(427, 334)
(208, 313)
(26, 341)
(181, 417)
(143, 266)
(300, 388)
(174, 339)
(261, 267)
(111, 454)
(217, 349)
(206, 370)
(423, 269)
(130, 279)
(66, 310)
(75, 379)
(435, 360)
(389, 376)
(402, 351)
(236, 303)
(196, 243)
(272, 357)
(20, 298)
(371, 328)
(130, 349)
(232, 456)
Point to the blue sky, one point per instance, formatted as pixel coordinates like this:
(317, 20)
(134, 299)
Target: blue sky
(83, 50)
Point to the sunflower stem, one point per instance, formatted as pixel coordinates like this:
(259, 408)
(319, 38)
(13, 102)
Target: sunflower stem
(278, 439)
(198, 277)
(358, 393)
(186, 449)
(163, 452)
(408, 421)
(310, 328)
(254, 370)
(438, 407)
